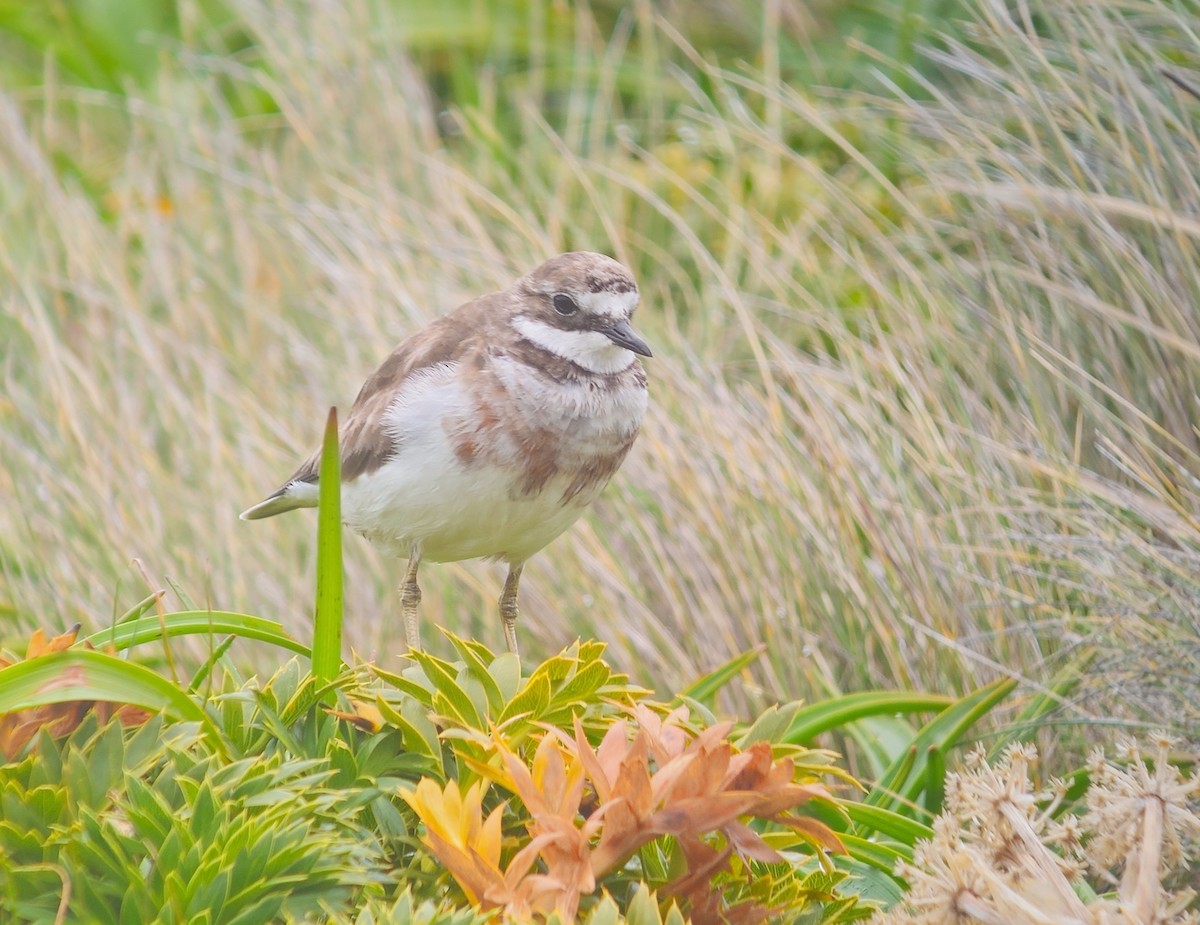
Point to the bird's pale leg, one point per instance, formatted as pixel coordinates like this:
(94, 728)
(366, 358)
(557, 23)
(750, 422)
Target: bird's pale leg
(508, 606)
(410, 600)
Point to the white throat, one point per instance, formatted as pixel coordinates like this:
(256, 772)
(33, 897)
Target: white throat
(589, 349)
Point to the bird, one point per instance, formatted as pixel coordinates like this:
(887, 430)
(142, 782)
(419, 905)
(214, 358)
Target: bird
(488, 432)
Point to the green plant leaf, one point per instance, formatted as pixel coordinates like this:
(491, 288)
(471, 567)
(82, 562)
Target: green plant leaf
(905, 779)
(531, 701)
(836, 712)
(417, 686)
(605, 912)
(871, 877)
(182, 594)
(935, 779)
(194, 623)
(877, 854)
(870, 819)
(139, 609)
(556, 668)
(506, 669)
(205, 670)
(770, 726)
(477, 659)
(643, 910)
(78, 674)
(327, 620)
(1044, 701)
(419, 734)
(583, 684)
(705, 688)
(882, 739)
(454, 702)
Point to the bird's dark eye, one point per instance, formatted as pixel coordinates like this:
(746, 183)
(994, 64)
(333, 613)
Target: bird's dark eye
(564, 304)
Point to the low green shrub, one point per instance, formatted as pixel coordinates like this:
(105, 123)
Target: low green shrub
(563, 791)
(337, 792)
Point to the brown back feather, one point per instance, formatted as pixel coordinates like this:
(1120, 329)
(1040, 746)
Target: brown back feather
(365, 444)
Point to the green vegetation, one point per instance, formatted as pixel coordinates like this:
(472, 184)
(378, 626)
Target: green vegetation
(254, 802)
(920, 469)
(243, 803)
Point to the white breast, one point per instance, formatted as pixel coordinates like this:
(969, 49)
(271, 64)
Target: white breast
(427, 496)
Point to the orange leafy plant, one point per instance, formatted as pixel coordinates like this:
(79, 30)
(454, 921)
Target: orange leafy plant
(591, 809)
(18, 727)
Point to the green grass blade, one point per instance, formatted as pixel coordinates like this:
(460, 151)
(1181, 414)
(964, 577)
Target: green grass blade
(884, 793)
(881, 739)
(935, 779)
(880, 856)
(181, 593)
(139, 609)
(705, 688)
(194, 623)
(81, 674)
(205, 671)
(327, 631)
(870, 820)
(836, 712)
(1044, 702)
(904, 781)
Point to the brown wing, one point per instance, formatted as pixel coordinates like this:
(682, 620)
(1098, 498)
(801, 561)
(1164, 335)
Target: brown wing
(365, 443)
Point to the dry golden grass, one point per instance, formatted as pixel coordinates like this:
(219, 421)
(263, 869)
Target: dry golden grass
(922, 398)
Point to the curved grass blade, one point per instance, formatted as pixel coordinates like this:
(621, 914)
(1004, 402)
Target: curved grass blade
(831, 714)
(194, 623)
(81, 674)
(904, 781)
(327, 619)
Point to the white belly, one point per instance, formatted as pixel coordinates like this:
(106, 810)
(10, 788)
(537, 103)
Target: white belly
(451, 513)
(427, 498)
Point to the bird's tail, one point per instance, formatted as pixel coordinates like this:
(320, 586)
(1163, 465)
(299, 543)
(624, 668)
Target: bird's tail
(291, 496)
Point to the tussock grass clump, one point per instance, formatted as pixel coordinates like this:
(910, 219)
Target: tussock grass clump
(922, 396)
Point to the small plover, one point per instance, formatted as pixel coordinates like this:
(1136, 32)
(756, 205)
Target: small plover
(488, 432)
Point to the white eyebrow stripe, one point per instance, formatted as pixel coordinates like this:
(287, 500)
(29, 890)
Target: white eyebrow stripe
(611, 306)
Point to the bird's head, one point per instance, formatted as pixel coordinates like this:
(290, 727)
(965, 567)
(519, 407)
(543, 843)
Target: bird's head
(578, 306)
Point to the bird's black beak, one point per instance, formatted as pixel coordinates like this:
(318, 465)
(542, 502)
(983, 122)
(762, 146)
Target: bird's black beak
(623, 335)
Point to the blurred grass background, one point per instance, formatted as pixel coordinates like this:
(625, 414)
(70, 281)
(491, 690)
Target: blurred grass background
(921, 279)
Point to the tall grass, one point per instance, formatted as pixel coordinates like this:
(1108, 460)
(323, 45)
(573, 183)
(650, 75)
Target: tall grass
(922, 395)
